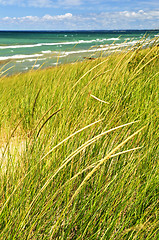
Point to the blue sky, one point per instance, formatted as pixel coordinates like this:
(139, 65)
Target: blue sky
(78, 14)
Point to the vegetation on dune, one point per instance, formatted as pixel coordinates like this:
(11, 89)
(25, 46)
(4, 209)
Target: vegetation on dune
(79, 150)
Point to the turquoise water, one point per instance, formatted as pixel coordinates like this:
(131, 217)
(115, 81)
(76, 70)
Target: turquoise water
(25, 50)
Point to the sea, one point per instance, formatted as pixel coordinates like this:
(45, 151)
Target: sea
(22, 51)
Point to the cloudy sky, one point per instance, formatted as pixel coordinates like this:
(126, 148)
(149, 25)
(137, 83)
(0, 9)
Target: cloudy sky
(78, 14)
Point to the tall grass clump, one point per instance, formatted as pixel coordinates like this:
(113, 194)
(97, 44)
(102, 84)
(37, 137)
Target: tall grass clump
(79, 149)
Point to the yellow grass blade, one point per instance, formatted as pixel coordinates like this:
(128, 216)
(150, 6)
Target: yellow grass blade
(98, 99)
(89, 72)
(68, 159)
(21, 180)
(53, 229)
(69, 138)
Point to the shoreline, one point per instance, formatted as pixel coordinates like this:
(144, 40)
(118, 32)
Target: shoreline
(65, 47)
(43, 67)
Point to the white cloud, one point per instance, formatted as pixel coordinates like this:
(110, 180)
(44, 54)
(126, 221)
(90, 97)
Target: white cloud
(106, 20)
(11, 2)
(66, 16)
(141, 15)
(57, 17)
(40, 3)
(47, 17)
(34, 19)
(28, 19)
(68, 3)
(6, 19)
(54, 4)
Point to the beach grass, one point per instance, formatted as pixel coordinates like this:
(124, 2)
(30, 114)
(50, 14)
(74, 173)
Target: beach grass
(79, 149)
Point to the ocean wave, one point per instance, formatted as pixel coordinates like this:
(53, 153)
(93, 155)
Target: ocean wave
(31, 60)
(102, 48)
(57, 43)
(48, 51)
(64, 54)
(20, 56)
(21, 46)
(55, 64)
(36, 66)
(112, 39)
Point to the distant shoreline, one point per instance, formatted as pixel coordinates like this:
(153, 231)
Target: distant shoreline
(107, 31)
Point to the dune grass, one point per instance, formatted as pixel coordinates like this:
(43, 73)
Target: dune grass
(79, 150)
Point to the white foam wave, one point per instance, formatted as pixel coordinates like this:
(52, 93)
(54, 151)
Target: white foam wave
(33, 57)
(37, 65)
(56, 43)
(21, 46)
(46, 51)
(20, 57)
(112, 39)
(102, 48)
(31, 60)
(41, 59)
(55, 64)
(64, 54)
(20, 61)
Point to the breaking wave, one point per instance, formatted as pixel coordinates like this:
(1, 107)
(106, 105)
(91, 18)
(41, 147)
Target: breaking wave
(57, 43)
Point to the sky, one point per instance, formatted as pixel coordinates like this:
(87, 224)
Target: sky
(79, 14)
